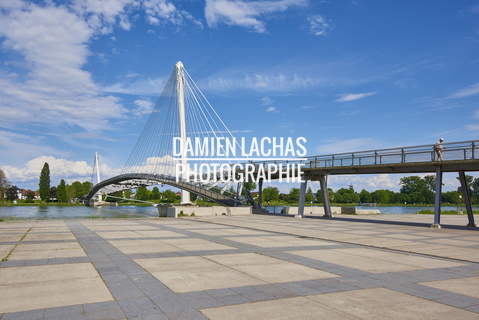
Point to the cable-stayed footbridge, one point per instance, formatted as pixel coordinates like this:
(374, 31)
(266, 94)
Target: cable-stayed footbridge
(162, 154)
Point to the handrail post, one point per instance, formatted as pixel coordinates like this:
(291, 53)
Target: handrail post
(403, 156)
(473, 150)
(376, 157)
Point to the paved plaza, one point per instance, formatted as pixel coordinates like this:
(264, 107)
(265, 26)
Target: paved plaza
(240, 267)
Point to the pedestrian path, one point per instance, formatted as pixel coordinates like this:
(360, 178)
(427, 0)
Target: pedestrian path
(239, 267)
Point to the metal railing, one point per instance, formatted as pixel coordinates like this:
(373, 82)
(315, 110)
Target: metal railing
(454, 151)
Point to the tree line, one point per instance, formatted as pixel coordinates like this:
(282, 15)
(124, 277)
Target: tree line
(414, 190)
(63, 193)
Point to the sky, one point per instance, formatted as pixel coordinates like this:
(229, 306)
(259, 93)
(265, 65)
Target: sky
(82, 76)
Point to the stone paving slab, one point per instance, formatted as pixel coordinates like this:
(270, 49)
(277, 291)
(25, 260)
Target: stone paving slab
(465, 286)
(186, 274)
(47, 251)
(235, 267)
(380, 303)
(34, 287)
(292, 308)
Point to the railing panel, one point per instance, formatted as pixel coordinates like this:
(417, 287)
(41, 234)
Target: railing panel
(451, 151)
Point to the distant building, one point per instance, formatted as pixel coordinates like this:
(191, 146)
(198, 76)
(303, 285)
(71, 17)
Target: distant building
(22, 194)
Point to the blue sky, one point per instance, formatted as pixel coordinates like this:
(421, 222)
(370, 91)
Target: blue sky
(81, 76)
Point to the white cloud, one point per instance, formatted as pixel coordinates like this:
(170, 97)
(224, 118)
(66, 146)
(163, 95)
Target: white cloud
(152, 87)
(59, 169)
(53, 43)
(382, 181)
(279, 82)
(318, 25)
(341, 146)
(158, 11)
(271, 109)
(266, 101)
(367, 182)
(472, 127)
(469, 91)
(19, 147)
(353, 96)
(103, 15)
(246, 14)
(144, 107)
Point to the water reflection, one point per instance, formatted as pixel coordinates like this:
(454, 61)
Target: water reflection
(83, 212)
(75, 212)
(384, 210)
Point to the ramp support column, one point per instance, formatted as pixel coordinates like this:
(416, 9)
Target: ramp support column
(324, 191)
(302, 197)
(467, 199)
(260, 192)
(437, 202)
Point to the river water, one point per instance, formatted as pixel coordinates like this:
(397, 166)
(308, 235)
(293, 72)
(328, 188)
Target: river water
(76, 212)
(84, 212)
(384, 210)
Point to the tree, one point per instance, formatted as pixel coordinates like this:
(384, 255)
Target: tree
(365, 196)
(78, 187)
(309, 197)
(430, 181)
(382, 196)
(475, 189)
(86, 187)
(293, 195)
(62, 192)
(337, 198)
(29, 196)
(155, 194)
(53, 193)
(44, 184)
(248, 187)
(142, 193)
(419, 190)
(169, 196)
(270, 194)
(400, 198)
(412, 184)
(4, 184)
(347, 195)
(453, 197)
(11, 194)
(70, 192)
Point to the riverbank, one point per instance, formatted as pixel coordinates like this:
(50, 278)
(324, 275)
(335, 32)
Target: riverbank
(41, 212)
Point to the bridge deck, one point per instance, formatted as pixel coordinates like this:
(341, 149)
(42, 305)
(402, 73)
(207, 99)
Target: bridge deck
(414, 167)
(458, 156)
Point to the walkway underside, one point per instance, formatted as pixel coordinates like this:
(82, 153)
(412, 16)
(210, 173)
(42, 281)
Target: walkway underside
(413, 167)
(137, 180)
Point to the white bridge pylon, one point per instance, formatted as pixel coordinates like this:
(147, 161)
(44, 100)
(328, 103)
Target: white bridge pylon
(182, 115)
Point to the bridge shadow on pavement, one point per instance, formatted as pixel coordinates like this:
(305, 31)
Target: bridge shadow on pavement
(378, 222)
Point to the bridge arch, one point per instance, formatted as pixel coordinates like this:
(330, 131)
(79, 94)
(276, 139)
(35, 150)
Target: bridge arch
(135, 180)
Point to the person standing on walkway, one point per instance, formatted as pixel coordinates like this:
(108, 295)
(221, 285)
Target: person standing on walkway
(438, 149)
